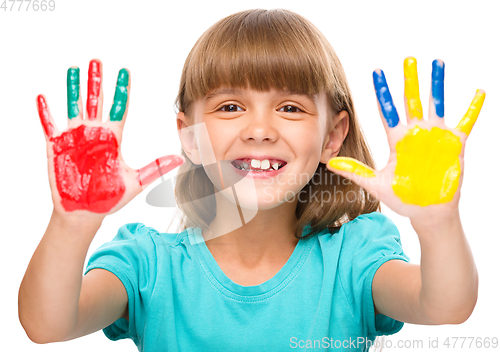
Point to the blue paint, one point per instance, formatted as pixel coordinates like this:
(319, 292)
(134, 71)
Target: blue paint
(385, 99)
(438, 86)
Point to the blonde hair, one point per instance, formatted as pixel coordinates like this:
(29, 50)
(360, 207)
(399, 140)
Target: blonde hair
(264, 50)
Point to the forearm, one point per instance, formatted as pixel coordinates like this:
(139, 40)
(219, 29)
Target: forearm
(448, 272)
(50, 290)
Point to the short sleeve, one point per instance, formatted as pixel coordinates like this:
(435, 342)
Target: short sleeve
(131, 256)
(369, 241)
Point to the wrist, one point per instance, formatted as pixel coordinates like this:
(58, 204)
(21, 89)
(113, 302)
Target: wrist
(78, 220)
(435, 215)
(437, 223)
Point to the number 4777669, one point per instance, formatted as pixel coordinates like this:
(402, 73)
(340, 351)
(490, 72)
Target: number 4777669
(477, 342)
(28, 5)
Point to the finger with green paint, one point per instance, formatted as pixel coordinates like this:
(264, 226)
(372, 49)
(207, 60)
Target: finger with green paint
(74, 95)
(120, 101)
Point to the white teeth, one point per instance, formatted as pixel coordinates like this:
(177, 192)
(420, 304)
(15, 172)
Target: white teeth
(256, 164)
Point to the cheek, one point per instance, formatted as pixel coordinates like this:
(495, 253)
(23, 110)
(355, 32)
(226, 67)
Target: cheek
(208, 138)
(307, 142)
(214, 140)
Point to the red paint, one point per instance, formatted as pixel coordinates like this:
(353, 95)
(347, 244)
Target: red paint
(87, 169)
(94, 88)
(43, 112)
(158, 168)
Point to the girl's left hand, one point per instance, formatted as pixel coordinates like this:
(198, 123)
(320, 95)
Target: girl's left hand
(424, 173)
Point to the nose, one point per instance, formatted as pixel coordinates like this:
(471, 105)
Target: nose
(260, 127)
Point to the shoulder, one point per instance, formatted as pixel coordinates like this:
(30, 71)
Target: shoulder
(136, 246)
(373, 219)
(368, 235)
(370, 226)
(140, 232)
(364, 226)
(139, 238)
(132, 231)
(365, 235)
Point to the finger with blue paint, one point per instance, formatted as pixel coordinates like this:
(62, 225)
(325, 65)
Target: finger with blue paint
(436, 101)
(386, 105)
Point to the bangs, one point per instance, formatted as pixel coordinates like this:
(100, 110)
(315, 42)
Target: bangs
(262, 50)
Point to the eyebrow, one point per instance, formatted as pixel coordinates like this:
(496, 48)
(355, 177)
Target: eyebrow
(222, 92)
(239, 91)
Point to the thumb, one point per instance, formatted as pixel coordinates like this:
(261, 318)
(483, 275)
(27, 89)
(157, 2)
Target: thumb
(353, 170)
(149, 173)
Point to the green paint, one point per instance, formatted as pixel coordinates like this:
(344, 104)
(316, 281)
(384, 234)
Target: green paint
(73, 92)
(121, 95)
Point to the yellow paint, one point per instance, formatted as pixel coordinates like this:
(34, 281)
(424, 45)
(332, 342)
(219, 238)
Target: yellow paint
(351, 165)
(428, 169)
(411, 88)
(465, 125)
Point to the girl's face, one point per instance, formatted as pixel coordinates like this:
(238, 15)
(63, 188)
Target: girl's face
(260, 132)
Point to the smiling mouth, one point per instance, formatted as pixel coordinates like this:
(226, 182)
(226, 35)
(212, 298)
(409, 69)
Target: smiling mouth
(258, 165)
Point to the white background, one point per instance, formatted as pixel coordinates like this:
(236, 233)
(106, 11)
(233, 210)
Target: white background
(153, 39)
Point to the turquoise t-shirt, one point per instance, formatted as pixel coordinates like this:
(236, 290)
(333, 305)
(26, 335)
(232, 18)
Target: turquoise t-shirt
(180, 300)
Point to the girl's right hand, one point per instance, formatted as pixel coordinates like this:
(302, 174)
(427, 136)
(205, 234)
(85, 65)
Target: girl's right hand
(87, 174)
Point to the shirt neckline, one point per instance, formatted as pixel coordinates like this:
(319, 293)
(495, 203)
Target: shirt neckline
(248, 293)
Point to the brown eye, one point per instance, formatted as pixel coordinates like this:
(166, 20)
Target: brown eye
(230, 108)
(290, 108)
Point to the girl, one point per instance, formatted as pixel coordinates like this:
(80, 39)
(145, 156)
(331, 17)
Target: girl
(279, 249)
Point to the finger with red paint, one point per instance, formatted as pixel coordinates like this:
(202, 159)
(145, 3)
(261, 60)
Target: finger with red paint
(94, 91)
(48, 124)
(151, 172)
